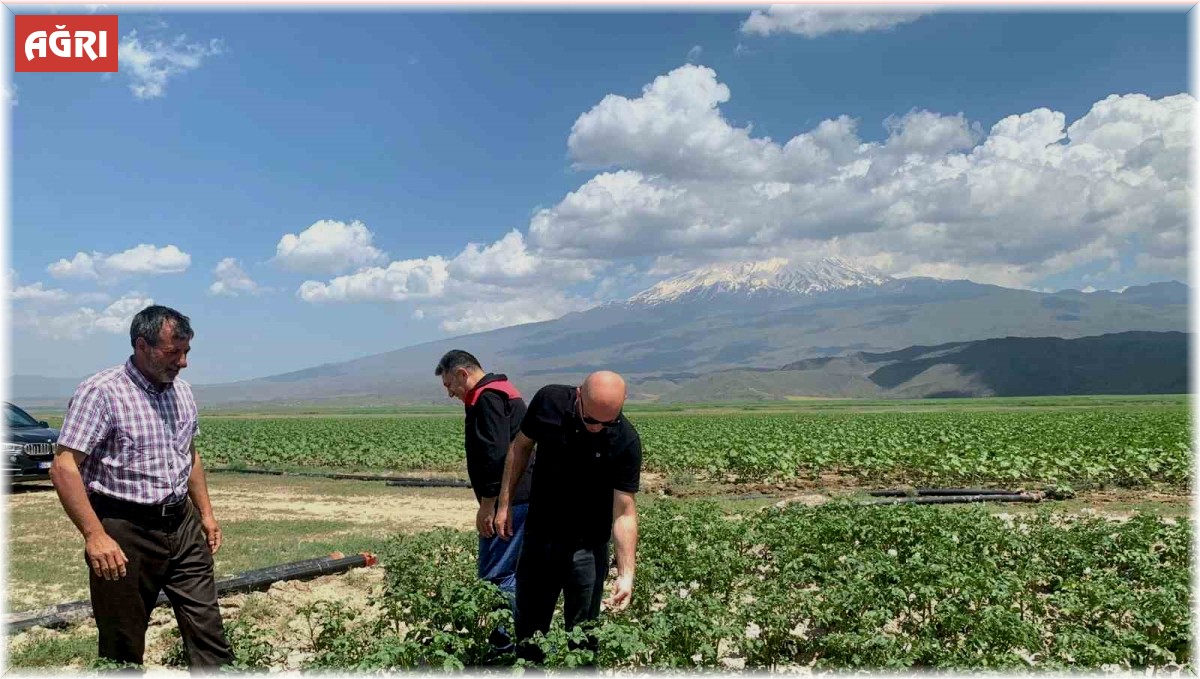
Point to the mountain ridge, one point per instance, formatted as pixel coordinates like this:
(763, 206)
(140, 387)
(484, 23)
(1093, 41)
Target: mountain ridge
(766, 317)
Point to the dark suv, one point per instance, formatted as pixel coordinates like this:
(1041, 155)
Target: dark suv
(29, 448)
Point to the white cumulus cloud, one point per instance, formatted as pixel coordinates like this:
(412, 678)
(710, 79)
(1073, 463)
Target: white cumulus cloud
(143, 259)
(478, 309)
(147, 259)
(232, 280)
(82, 265)
(329, 246)
(151, 63)
(84, 321)
(509, 261)
(479, 316)
(482, 288)
(37, 293)
(400, 281)
(1013, 202)
(814, 21)
(1034, 195)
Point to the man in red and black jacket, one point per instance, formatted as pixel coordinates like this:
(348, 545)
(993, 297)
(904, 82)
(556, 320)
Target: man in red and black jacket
(494, 410)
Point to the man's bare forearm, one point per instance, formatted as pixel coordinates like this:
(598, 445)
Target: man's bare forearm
(68, 484)
(514, 466)
(625, 537)
(198, 486)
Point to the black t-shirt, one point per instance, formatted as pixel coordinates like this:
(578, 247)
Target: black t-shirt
(577, 471)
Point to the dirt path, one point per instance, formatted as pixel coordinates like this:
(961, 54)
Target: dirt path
(237, 497)
(1118, 503)
(410, 511)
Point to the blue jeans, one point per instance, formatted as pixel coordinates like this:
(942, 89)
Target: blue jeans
(498, 565)
(498, 557)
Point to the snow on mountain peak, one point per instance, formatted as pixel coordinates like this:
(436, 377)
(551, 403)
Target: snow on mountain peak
(771, 276)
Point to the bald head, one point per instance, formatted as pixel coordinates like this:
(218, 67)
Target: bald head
(602, 395)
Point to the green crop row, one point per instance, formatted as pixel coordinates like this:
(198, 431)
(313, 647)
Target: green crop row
(836, 586)
(1129, 448)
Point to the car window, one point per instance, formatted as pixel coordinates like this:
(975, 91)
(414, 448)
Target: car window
(19, 418)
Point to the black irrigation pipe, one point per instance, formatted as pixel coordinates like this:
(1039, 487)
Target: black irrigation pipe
(900, 492)
(951, 499)
(938, 499)
(63, 615)
(429, 483)
(392, 480)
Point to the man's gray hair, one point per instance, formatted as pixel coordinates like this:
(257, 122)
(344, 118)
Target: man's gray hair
(148, 324)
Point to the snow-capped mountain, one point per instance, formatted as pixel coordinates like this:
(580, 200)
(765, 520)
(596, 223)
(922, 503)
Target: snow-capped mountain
(713, 332)
(771, 276)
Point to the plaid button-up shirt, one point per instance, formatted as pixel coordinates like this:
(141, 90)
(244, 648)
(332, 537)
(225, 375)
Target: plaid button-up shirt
(137, 437)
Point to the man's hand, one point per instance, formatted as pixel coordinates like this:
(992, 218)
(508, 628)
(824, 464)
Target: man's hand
(212, 530)
(485, 517)
(105, 555)
(503, 522)
(622, 593)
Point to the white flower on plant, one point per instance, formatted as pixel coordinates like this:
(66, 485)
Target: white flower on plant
(753, 631)
(892, 553)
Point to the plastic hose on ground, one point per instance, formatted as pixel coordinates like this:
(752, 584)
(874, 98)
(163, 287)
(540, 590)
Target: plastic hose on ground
(262, 578)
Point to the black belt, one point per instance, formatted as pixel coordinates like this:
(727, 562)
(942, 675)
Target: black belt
(116, 508)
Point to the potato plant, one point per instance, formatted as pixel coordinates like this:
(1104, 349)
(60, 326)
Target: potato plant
(830, 587)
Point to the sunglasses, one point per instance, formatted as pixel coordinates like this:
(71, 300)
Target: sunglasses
(590, 420)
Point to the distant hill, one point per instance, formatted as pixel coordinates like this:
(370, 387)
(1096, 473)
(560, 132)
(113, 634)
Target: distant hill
(750, 318)
(1119, 363)
(25, 388)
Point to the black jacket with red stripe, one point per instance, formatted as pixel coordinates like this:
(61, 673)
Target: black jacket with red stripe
(494, 410)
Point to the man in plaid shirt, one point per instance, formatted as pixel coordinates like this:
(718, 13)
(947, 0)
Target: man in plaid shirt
(130, 479)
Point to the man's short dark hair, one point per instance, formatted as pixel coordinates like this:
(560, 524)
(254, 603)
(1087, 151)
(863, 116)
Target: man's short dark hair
(148, 324)
(455, 359)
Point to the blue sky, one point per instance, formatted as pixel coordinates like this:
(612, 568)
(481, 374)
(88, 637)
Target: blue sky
(411, 135)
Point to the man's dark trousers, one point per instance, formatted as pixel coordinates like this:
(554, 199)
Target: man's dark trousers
(547, 568)
(170, 554)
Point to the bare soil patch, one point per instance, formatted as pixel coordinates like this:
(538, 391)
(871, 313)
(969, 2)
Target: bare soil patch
(407, 510)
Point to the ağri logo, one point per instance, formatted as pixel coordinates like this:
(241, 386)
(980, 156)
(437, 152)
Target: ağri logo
(65, 43)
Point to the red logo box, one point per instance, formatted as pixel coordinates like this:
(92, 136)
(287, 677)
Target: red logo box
(66, 43)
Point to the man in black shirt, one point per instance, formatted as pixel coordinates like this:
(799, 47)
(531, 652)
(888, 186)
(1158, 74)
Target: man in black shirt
(494, 410)
(588, 470)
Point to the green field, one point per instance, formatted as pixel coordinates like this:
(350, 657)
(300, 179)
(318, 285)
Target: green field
(1129, 442)
(743, 583)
